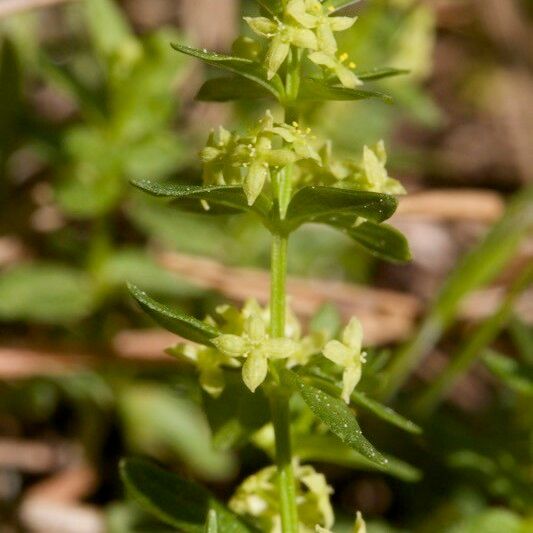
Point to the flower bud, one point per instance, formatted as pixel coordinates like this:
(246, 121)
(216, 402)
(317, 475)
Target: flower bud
(254, 370)
(276, 55)
(231, 345)
(254, 181)
(255, 328)
(246, 47)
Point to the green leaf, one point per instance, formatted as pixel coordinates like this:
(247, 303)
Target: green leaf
(64, 79)
(228, 196)
(108, 27)
(177, 502)
(236, 413)
(477, 268)
(45, 293)
(327, 449)
(238, 65)
(137, 267)
(227, 89)
(362, 400)
(522, 336)
(160, 421)
(380, 240)
(380, 73)
(516, 376)
(327, 319)
(316, 90)
(385, 413)
(316, 204)
(174, 320)
(336, 415)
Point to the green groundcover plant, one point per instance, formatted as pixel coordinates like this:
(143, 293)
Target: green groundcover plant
(253, 363)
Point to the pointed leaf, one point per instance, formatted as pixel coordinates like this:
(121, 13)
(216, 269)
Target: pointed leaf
(380, 240)
(317, 90)
(384, 412)
(229, 196)
(238, 65)
(516, 376)
(108, 27)
(328, 449)
(315, 204)
(336, 415)
(227, 89)
(380, 73)
(522, 337)
(175, 501)
(174, 320)
(236, 413)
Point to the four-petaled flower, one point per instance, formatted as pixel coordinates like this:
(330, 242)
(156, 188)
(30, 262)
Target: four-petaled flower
(375, 172)
(210, 363)
(216, 156)
(256, 346)
(312, 15)
(348, 355)
(336, 65)
(282, 35)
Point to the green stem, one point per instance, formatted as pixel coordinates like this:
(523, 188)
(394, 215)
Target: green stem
(280, 397)
(279, 403)
(278, 272)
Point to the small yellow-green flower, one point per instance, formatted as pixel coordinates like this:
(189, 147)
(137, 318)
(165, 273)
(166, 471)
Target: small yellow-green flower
(312, 15)
(256, 346)
(375, 172)
(258, 497)
(282, 35)
(209, 362)
(300, 140)
(348, 355)
(217, 158)
(337, 67)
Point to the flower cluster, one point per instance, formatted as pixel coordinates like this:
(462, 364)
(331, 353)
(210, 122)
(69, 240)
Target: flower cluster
(367, 174)
(308, 25)
(257, 497)
(252, 160)
(245, 343)
(229, 158)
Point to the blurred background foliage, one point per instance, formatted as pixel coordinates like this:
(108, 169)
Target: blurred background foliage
(92, 95)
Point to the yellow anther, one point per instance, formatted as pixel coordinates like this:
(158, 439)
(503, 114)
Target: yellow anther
(343, 57)
(308, 130)
(331, 9)
(294, 123)
(351, 64)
